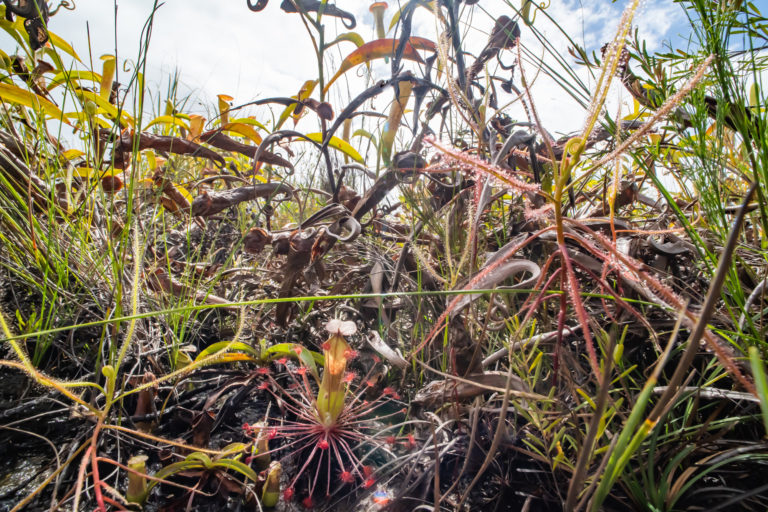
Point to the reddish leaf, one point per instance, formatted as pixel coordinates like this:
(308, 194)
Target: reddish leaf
(382, 48)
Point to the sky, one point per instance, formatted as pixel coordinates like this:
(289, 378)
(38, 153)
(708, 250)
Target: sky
(221, 47)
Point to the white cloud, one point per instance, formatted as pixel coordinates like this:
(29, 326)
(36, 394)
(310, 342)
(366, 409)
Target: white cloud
(222, 47)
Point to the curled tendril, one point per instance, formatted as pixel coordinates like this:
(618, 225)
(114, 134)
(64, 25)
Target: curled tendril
(573, 145)
(525, 10)
(66, 4)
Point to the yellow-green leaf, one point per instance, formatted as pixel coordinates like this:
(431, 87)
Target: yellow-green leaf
(230, 346)
(368, 135)
(754, 95)
(109, 108)
(84, 172)
(107, 76)
(73, 76)
(19, 96)
(352, 37)
(338, 144)
(71, 154)
(89, 172)
(183, 191)
(224, 107)
(251, 122)
(168, 120)
(196, 125)
(243, 130)
(84, 118)
(15, 29)
(61, 44)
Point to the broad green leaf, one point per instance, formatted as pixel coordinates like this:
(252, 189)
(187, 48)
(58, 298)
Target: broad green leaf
(172, 469)
(234, 357)
(19, 96)
(233, 449)
(379, 49)
(238, 466)
(200, 456)
(338, 144)
(294, 350)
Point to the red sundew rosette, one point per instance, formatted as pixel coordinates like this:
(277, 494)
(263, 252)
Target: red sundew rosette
(333, 388)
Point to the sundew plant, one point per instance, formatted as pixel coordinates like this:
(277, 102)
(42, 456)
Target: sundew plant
(401, 283)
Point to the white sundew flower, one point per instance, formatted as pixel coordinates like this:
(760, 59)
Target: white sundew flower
(341, 328)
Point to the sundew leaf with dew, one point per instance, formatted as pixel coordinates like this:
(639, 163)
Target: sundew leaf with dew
(378, 50)
(308, 358)
(338, 144)
(19, 96)
(73, 76)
